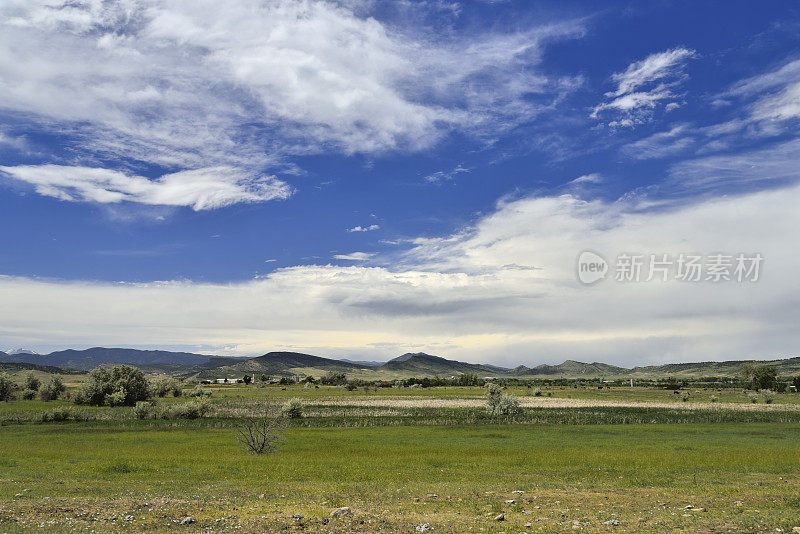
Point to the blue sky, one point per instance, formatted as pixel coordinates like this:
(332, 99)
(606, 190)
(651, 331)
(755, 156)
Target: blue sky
(365, 157)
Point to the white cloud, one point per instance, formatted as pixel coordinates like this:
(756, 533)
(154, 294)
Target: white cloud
(197, 84)
(503, 290)
(200, 189)
(369, 228)
(441, 176)
(355, 256)
(661, 144)
(661, 72)
(591, 178)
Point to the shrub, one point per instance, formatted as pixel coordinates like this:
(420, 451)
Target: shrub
(780, 387)
(53, 389)
(198, 391)
(351, 386)
(7, 387)
(332, 378)
(685, 396)
(186, 410)
(64, 413)
(32, 383)
(126, 384)
(144, 410)
(753, 396)
(247, 379)
(258, 436)
(714, 398)
(499, 403)
(309, 385)
(768, 395)
(163, 386)
(293, 409)
(537, 392)
(29, 394)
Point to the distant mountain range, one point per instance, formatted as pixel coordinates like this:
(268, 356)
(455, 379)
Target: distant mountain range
(418, 364)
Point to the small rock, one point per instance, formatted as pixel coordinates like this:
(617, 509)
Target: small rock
(500, 517)
(297, 517)
(511, 501)
(611, 522)
(432, 495)
(697, 509)
(188, 520)
(424, 527)
(416, 499)
(262, 496)
(517, 491)
(738, 503)
(129, 518)
(528, 525)
(341, 512)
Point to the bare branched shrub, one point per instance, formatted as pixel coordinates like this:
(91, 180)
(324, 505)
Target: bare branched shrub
(258, 436)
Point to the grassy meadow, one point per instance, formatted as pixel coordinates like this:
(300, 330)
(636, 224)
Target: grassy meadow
(409, 460)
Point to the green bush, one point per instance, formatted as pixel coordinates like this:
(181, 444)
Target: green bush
(28, 394)
(186, 410)
(7, 387)
(293, 409)
(32, 383)
(537, 392)
(768, 395)
(198, 391)
(163, 386)
(332, 378)
(53, 389)
(714, 398)
(121, 386)
(499, 403)
(685, 396)
(753, 397)
(144, 410)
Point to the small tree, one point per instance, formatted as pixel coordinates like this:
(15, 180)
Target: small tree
(759, 376)
(53, 389)
(247, 379)
(332, 378)
(796, 383)
(32, 382)
(7, 387)
(258, 436)
(163, 386)
(127, 385)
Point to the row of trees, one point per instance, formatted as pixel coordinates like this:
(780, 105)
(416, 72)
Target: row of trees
(31, 388)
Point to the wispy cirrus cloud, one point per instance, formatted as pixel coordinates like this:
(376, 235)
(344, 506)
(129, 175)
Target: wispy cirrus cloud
(188, 86)
(355, 256)
(200, 189)
(644, 85)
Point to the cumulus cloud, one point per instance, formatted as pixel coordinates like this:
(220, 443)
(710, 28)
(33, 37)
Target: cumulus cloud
(192, 85)
(359, 228)
(502, 290)
(201, 189)
(644, 85)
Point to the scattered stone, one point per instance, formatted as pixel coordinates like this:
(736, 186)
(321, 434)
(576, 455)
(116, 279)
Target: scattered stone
(511, 501)
(611, 522)
(297, 517)
(341, 512)
(500, 517)
(432, 495)
(738, 503)
(129, 518)
(188, 520)
(528, 525)
(517, 491)
(416, 499)
(693, 509)
(424, 527)
(262, 496)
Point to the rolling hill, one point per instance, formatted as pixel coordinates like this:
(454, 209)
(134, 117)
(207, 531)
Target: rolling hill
(88, 359)
(419, 363)
(281, 363)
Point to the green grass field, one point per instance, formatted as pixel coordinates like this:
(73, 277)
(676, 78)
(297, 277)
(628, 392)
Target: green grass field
(397, 468)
